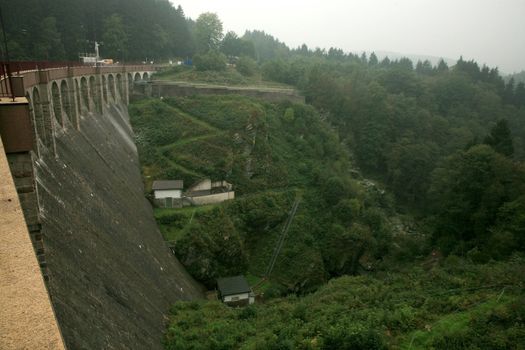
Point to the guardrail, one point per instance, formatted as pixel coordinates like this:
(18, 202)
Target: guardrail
(10, 71)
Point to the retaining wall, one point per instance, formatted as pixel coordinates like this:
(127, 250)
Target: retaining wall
(161, 88)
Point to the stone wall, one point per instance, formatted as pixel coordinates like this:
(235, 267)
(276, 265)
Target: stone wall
(171, 89)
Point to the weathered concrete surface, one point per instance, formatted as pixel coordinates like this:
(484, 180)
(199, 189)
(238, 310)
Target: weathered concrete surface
(27, 320)
(111, 277)
(160, 88)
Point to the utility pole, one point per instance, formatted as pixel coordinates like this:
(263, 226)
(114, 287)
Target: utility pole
(7, 65)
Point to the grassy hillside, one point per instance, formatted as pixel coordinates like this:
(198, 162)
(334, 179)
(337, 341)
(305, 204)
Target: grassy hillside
(450, 304)
(405, 297)
(272, 154)
(247, 142)
(229, 77)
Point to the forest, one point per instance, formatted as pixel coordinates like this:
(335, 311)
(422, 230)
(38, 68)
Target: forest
(130, 30)
(405, 171)
(411, 176)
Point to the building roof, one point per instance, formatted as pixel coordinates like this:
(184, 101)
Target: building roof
(167, 185)
(233, 285)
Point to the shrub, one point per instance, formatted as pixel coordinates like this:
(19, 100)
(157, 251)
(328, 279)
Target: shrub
(289, 114)
(246, 66)
(212, 60)
(171, 218)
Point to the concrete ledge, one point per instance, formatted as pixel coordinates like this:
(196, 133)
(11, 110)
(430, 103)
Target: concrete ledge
(27, 320)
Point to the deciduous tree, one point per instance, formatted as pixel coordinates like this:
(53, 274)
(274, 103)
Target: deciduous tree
(208, 32)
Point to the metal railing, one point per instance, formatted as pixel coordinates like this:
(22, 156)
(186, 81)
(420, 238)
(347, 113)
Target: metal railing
(17, 67)
(11, 70)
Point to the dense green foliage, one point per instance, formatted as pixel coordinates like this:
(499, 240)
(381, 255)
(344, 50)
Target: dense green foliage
(210, 61)
(246, 66)
(469, 191)
(271, 153)
(518, 77)
(128, 29)
(233, 46)
(208, 32)
(416, 129)
(447, 142)
(448, 305)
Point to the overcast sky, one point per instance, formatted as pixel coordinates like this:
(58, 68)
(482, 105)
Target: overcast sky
(489, 31)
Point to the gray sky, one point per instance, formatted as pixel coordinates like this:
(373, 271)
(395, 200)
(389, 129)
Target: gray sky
(489, 31)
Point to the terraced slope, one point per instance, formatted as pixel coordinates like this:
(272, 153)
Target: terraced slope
(271, 153)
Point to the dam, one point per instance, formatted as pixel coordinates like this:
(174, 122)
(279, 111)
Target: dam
(109, 276)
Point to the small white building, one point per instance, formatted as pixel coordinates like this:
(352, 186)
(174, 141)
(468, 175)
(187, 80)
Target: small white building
(235, 291)
(167, 189)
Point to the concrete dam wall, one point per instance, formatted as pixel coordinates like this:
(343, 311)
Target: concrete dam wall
(110, 276)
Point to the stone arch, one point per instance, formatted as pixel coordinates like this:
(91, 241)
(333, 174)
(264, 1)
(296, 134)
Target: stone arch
(84, 92)
(95, 94)
(77, 97)
(31, 111)
(111, 83)
(137, 77)
(40, 124)
(130, 83)
(105, 89)
(66, 101)
(57, 104)
(29, 104)
(120, 86)
(145, 76)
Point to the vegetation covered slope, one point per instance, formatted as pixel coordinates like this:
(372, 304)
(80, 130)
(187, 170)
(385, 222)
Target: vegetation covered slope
(450, 304)
(271, 153)
(448, 142)
(228, 77)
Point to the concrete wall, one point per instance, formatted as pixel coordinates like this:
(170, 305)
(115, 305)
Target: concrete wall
(159, 194)
(111, 277)
(15, 125)
(236, 297)
(213, 198)
(201, 186)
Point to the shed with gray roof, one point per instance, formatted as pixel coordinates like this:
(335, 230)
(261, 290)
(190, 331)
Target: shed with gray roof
(235, 291)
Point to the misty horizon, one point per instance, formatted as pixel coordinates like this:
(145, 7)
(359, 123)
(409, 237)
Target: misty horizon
(489, 32)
